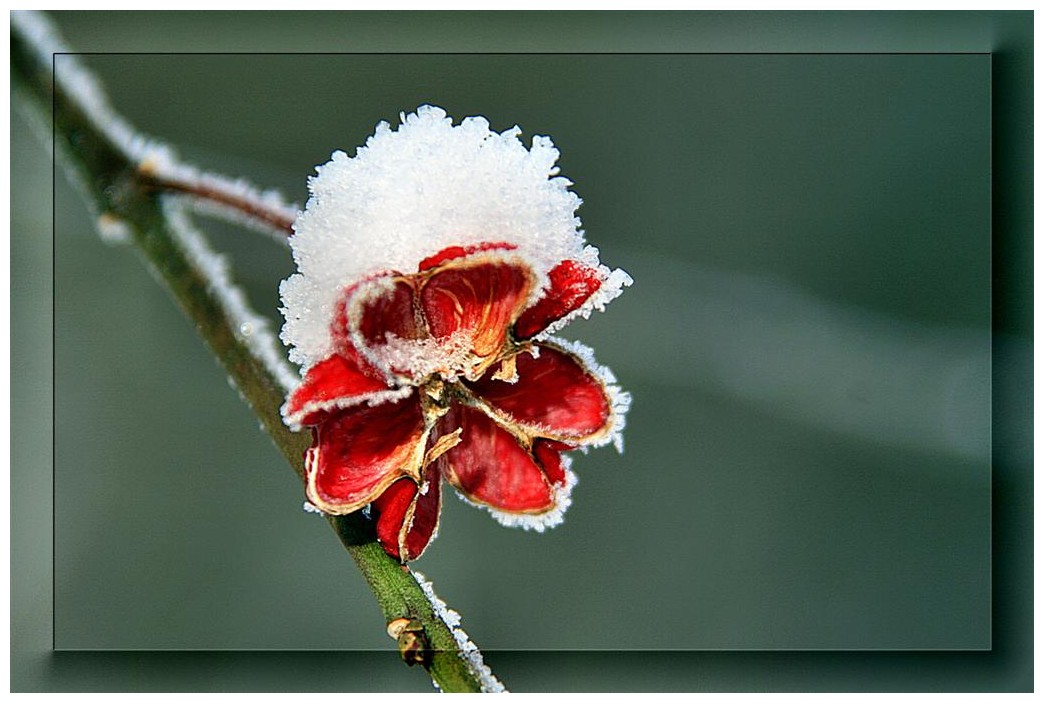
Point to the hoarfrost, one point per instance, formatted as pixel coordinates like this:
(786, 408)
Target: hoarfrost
(153, 157)
(469, 651)
(214, 269)
(266, 211)
(79, 83)
(614, 281)
(421, 358)
(619, 399)
(563, 498)
(409, 193)
(293, 420)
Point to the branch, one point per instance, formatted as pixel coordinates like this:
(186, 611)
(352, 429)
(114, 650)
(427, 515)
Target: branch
(116, 170)
(215, 196)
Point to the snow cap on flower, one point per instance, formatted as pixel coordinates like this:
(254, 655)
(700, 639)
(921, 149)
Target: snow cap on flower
(415, 191)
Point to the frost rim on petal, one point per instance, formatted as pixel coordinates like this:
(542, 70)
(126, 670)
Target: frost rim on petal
(613, 283)
(537, 522)
(619, 399)
(405, 460)
(293, 421)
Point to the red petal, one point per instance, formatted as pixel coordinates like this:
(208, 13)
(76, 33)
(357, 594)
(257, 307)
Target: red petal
(380, 306)
(489, 466)
(484, 296)
(425, 519)
(549, 455)
(555, 396)
(360, 451)
(450, 253)
(391, 508)
(406, 518)
(572, 283)
(335, 382)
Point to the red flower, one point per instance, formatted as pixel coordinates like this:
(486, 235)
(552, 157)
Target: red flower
(415, 373)
(443, 373)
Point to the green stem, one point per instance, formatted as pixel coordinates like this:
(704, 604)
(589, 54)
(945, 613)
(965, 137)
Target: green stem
(114, 186)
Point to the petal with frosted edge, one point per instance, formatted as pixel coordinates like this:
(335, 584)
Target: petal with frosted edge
(408, 516)
(381, 306)
(490, 467)
(556, 396)
(456, 252)
(361, 451)
(481, 295)
(571, 285)
(335, 383)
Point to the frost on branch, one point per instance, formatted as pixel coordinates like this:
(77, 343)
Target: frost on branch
(254, 331)
(231, 199)
(468, 650)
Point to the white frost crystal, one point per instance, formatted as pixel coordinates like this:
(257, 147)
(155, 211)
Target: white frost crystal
(563, 498)
(619, 399)
(412, 192)
(151, 156)
(254, 331)
(468, 650)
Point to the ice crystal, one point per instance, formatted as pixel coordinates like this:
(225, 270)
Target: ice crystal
(152, 157)
(563, 498)
(293, 420)
(619, 399)
(421, 358)
(615, 281)
(164, 165)
(260, 339)
(468, 650)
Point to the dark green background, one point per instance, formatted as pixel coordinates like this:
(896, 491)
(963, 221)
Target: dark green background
(807, 342)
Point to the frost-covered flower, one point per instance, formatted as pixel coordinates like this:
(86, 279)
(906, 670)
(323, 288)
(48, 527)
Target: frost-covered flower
(432, 269)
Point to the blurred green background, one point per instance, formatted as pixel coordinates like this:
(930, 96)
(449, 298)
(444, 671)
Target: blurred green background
(807, 343)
